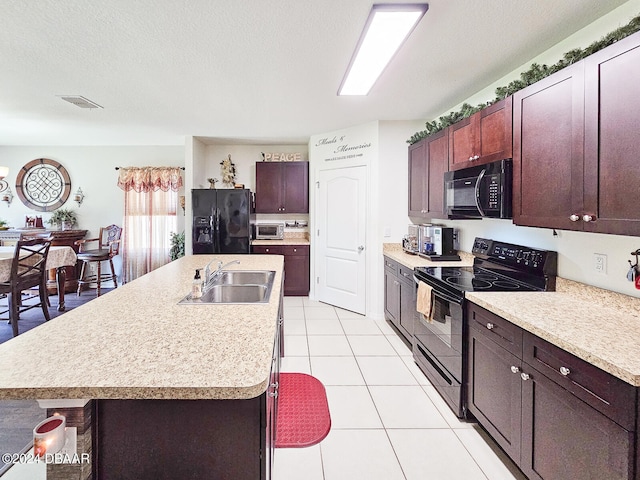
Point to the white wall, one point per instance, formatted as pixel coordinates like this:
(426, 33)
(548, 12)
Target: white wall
(194, 161)
(387, 173)
(575, 249)
(392, 191)
(581, 39)
(244, 157)
(92, 169)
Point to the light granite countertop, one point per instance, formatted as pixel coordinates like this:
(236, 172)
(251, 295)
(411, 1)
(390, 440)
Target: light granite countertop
(394, 251)
(136, 342)
(598, 326)
(284, 241)
(290, 238)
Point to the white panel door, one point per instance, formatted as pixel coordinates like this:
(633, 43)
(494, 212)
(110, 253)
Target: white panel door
(340, 238)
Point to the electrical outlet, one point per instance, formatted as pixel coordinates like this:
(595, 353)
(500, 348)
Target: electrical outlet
(600, 263)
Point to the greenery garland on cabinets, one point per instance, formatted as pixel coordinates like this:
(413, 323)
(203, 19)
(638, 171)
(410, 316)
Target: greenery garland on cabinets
(535, 73)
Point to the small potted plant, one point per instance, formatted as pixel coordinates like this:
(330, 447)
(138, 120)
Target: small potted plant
(177, 245)
(63, 218)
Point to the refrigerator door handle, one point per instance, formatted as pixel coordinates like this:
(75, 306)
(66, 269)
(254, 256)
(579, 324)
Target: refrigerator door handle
(217, 235)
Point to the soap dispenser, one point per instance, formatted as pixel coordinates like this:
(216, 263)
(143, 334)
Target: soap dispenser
(196, 288)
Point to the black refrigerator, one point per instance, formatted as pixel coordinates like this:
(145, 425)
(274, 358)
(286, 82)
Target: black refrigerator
(221, 220)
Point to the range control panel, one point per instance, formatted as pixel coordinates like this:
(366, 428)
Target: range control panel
(516, 255)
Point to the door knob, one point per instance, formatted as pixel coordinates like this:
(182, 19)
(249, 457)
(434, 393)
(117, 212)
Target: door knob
(588, 218)
(360, 248)
(565, 371)
(574, 217)
(525, 376)
(514, 369)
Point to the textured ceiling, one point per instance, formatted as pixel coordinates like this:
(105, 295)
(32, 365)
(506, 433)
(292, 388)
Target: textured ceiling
(247, 70)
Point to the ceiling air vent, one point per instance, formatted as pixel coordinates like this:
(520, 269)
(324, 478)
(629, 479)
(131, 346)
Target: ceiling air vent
(79, 101)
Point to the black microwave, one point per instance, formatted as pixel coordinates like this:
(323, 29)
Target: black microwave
(480, 191)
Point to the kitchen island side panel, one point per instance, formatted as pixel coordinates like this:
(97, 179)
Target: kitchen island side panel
(188, 439)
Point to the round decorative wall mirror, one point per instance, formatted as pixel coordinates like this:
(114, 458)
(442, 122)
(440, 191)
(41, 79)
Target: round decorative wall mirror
(43, 184)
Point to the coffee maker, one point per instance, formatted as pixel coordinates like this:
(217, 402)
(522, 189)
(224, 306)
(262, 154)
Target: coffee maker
(437, 243)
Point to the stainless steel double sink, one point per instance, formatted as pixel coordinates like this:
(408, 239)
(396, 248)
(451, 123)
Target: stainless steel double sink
(236, 286)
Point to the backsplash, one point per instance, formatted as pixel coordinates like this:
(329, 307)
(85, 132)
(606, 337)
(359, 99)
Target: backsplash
(575, 249)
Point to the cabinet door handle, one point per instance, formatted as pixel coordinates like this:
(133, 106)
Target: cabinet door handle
(574, 217)
(274, 385)
(360, 248)
(490, 326)
(273, 394)
(565, 371)
(470, 158)
(476, 157)
(266, 249)
(588, 218)
(514, 369)
(525, 376)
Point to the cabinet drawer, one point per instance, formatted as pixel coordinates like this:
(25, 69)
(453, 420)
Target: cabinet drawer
(405, 273)
(604, 392)
(501, 331)
(268, 249)
(296, 249)
(390, 265)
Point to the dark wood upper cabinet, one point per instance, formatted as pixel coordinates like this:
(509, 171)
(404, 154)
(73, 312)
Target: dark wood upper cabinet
(282, 187)
(612, 138)
(428, 161)
(548, 135)
(575, 145)
(484, 137)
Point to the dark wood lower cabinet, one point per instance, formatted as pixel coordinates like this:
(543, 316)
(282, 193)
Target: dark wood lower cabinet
(296, 266)
(170, 439)
(391, 291)
(400, 298)
(557, 417)
(494, 391)
(563, 437)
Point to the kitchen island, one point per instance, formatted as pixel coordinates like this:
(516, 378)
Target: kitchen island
(168, 390)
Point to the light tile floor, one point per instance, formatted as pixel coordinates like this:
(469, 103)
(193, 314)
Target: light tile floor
(388, 422)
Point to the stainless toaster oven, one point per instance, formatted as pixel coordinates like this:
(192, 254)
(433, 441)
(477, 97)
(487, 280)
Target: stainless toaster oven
(269, 231)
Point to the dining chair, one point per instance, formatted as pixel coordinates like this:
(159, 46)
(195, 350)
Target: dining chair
(108, 247)
(28, 270)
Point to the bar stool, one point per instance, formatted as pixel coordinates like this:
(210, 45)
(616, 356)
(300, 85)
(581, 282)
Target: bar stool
(108, 247)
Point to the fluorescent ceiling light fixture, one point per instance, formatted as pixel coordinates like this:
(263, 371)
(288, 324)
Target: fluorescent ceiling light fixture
(387, 27)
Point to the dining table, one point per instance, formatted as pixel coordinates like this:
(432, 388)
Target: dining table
(58, 258)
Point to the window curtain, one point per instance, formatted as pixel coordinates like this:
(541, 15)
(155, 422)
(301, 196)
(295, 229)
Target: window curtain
(150, 215)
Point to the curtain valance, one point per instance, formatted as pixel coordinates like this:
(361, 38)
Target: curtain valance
(147, 179)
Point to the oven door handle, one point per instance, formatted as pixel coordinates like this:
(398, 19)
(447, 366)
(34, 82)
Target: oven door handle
(443, 295)
(478, 182)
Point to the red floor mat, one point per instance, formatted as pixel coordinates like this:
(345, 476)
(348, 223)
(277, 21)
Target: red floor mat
(303, 411)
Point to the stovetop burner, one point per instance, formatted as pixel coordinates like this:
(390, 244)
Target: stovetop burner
(497, 266)
(470, 279)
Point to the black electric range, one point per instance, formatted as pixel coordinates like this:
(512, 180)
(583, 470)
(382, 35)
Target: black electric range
(439, 341)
